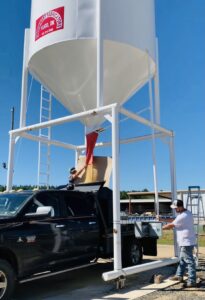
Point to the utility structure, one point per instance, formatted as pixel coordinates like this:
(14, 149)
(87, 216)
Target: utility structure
(91, 61)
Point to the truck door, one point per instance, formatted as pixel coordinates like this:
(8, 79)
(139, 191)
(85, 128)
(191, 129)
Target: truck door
(45, 239)
(82, 225)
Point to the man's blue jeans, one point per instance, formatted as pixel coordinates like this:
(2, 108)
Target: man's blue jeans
(186, 259)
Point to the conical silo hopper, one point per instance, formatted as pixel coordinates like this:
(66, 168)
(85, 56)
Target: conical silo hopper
(63, 49)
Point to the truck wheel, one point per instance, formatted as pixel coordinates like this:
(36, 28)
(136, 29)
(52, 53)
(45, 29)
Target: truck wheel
(132, 253)
(7, 280)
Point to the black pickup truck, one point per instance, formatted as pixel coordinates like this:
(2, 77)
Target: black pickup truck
(42, 232)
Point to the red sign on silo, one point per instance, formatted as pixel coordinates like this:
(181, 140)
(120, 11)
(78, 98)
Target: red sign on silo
(49, 22)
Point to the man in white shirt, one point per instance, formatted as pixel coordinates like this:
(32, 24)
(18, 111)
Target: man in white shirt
(186, 239)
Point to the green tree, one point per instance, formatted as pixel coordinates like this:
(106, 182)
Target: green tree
(123, 195)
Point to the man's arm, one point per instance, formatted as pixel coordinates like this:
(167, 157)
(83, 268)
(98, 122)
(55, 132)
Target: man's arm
(168, 226)
(80, 170)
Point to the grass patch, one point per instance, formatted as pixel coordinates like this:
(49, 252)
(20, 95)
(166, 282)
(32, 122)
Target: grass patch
(168, 238)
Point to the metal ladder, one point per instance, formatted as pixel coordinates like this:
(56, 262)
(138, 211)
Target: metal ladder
(44, 146)
(195, 205)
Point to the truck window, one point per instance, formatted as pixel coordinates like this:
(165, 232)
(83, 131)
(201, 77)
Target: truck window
(79, 206)
(44, 199)
(11, 203)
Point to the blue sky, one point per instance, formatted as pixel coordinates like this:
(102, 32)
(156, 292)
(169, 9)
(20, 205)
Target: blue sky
(180, 27)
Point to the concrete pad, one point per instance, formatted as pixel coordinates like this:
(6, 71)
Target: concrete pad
(141, 291)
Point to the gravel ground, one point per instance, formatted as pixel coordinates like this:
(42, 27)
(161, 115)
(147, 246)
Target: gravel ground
(177, 292)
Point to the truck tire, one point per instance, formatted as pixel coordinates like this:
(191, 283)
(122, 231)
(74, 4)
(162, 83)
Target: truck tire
(7, 280)
(131, 253)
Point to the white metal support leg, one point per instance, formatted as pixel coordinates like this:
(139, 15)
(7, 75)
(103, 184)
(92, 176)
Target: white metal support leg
(116, 191)
(173, 182)
(156, 87)
(172, 168)
(10, 163)
(24, 79)
(100, 58)
(153, 140)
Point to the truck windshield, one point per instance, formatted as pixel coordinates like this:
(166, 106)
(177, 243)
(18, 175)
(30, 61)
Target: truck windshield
(11, 203)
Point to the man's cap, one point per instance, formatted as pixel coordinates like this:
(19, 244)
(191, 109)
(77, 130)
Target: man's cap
(177, 203)
(72, 170)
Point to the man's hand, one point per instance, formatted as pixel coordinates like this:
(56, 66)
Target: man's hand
(168, 226)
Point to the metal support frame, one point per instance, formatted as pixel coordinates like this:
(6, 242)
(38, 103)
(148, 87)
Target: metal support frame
(112, 110)
(23, 132)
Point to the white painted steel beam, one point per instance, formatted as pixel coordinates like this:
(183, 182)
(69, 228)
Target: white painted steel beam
(173, 184)
(154, 160)
(24, 79)
(10, 163)
(127, 141)
(116, 190)
(156, 86)
(172, 168)
(100, 58)
(144, 121)
(70, 118)
(139, 268)
(46, 141)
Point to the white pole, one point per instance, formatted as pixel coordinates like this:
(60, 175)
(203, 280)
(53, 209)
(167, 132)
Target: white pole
(116, 191)
(100, 69)
(111, 275)
(39, 143)
(156, 86)
(10, 163)
(173, 183)
(172, 168)
(24, 80)
(153, 140)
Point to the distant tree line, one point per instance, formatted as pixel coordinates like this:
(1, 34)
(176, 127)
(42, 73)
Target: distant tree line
(24, 187)
(123, 194)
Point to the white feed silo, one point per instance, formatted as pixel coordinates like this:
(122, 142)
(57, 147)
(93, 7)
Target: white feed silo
(63, 49)
(92, 55)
